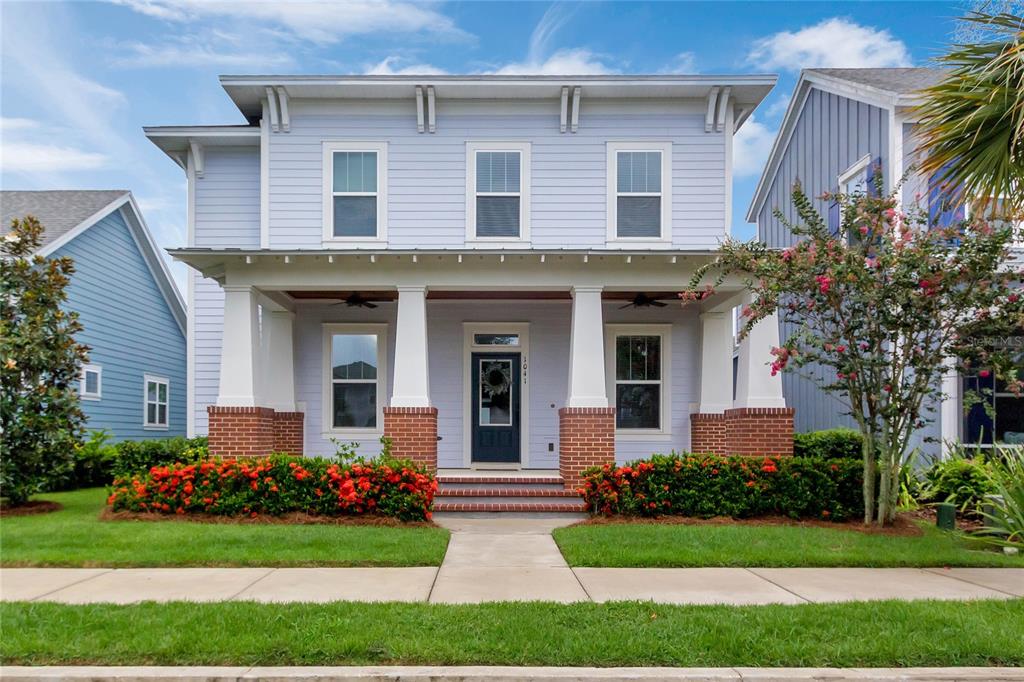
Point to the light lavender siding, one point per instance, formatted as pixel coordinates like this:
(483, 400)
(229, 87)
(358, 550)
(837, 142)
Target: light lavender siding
(427, 176)
(207, 307)
(227, 199)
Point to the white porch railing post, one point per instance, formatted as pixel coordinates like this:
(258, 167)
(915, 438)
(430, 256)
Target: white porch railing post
(755, 385)
(412, 379)
(239, 348)
(278, 391)
(586, 350)
(716, 348)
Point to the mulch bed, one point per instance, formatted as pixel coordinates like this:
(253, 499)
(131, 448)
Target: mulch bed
(904, 525)
(31, 507)
(290, 519)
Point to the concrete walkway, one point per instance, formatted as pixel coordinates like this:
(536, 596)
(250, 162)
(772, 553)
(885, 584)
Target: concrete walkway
(507, 559)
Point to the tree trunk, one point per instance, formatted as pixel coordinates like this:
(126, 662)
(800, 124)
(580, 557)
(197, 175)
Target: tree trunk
(870, 464)
(883, 493)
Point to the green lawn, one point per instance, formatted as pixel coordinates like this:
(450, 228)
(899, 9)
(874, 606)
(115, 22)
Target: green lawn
(675, 545)
(75, 536)
(886, 634)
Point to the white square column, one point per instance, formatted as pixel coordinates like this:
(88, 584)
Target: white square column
(586, 350)
(412, 379)
(278, 388)
(755, 385)
(716, 351)
(239, 348)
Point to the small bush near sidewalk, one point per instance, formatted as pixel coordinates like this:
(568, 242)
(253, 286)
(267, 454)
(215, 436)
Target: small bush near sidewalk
(828, 444)
(280, 484)
(97, 461)
(740, 487)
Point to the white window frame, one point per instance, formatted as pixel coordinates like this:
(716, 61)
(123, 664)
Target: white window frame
(665, 239)
(854, 172)
(147, 379)
(327, 173)
(380, 330)
(98, 393)
(611, 332)
(523, 148)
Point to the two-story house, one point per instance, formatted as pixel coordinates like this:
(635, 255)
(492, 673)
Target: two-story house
(482, 268)
(842, 126)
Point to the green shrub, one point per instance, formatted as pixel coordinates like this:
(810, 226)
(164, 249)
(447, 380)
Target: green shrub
(740, 487)
(93, 462)
(961, 480)
(139, 456)
(1004, 520)
(828, 444)
(280, 484)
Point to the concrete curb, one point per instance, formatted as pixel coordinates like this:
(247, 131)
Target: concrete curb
(497, 674)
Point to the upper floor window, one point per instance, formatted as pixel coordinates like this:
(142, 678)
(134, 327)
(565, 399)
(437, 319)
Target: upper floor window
(91, 384)
(156, 402)
(497, 192)
(639, 191)
(355, 188)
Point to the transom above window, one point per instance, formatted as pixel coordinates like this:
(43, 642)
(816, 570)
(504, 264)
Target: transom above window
(639, 197)
(495, 339)
(354, 188)
(498, 179)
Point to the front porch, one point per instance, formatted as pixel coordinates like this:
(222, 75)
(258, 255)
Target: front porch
(488, 365)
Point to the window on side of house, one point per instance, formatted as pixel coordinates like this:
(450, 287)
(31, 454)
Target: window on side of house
(91, 383)
(639, 191)
(354, 191)
(355, 393)
(993, 414)
(638, 377)
(852, 181)
(497, 192)
(156, 402)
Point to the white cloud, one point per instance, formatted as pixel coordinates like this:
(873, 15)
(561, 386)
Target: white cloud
(570, 62)
(193, 51)
(750, 148)
(554, 19)
(27, 157)
(324, 22)
(390, 66)
(682, 63)
(9, 124)
(831, 43)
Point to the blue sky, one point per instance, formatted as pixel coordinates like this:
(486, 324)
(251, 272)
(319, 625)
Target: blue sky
(79, 80)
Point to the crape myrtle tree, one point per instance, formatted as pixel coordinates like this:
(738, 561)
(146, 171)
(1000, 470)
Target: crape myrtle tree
(882, 304)
(40, 364)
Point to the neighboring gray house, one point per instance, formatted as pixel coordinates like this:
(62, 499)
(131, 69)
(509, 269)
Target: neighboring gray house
(132, 315)
(483, 268)
(841, 126)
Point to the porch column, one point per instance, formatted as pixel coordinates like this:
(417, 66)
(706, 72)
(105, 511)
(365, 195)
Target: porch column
(759, 423)
(279, 371)
(409, 421)
(707, 424)
(586, 426)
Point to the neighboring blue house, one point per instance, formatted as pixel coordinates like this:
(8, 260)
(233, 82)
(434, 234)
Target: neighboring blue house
(134, 384)
(842, 125)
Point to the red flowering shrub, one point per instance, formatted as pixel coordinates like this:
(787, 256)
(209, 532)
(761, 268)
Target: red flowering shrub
(740, 487)
(279, 484)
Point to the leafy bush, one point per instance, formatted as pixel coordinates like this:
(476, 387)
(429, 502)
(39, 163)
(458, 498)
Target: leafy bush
(93, 461)
(139, 456)
(1004, 524)
(280, 484)
(961, 480)
(828, 444)
(740, 487)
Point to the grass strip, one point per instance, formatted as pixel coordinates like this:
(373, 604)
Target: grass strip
(76, 536)
(678, 545)
(918, 633)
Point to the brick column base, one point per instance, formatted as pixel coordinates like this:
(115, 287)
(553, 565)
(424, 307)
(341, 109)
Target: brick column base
(253, 431)
(413, 434)
(743, 431)
(586, 438)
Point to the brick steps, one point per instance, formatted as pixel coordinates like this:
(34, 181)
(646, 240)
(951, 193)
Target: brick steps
(538, 507)
(510, 491)
(505, 493)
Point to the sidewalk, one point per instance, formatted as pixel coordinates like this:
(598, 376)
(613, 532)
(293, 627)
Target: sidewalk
(507, 560)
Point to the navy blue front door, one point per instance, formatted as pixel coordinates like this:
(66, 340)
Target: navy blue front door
(495, 406)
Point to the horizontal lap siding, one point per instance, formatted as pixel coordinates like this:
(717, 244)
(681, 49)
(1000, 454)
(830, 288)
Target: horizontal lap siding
(427, 182)
(129, 327)
(208, 318)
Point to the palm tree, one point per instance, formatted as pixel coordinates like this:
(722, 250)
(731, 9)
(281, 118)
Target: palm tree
(972, 122)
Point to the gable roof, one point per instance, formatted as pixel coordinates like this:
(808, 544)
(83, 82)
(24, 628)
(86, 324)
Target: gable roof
(67, 213)
(884, 88)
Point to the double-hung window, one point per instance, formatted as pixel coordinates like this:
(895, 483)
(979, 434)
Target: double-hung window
(354, 388)
(91, 383)
(156, 400)
(993, 413)
(355, 188)
(639, 191)
(638, 377)
(497, 192)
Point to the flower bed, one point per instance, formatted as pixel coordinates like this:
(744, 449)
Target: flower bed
(740, 487)
(280, 484)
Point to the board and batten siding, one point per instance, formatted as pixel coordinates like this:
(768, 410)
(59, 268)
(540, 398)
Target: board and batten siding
(427, 172)
(548, 371)
(129, 327)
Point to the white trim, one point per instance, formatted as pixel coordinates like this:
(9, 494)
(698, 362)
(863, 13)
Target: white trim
(613, 330)
(264, 180)
(468, 403)
(380, 330)
(190, 308)
(523, 148)
(327, 175)
(148, 379)
(99, 215)
(665, 149)
(851, 175)
(83, 393)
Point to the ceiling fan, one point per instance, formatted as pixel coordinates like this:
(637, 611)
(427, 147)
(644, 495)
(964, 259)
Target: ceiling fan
(354, 300)
(642, 300)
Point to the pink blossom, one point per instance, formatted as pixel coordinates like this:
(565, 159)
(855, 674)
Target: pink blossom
(984, 374)
(824, 282)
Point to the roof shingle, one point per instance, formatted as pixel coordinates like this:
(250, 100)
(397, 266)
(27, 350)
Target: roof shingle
(59, 211)
(897, 81)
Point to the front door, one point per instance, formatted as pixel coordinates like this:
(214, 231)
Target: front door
(495, 389)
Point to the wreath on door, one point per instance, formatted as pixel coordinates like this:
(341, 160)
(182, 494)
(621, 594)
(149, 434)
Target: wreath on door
(497, 379)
